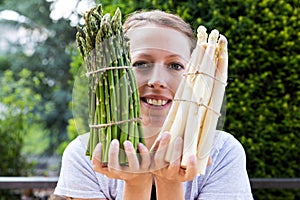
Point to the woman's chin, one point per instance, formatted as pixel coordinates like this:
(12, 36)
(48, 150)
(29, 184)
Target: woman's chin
(152, 125)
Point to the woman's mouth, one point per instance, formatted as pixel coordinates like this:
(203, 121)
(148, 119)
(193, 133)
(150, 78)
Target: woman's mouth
(155, 102)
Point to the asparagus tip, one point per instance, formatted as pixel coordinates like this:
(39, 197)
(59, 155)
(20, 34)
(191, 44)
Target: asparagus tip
(201, 34)
(99, 9)
(116, 21)
(213, 36)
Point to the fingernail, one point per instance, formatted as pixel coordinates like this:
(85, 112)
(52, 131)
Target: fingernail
(114, 143)
(178, 140)
(141, 146)
(97, 152)
(127, 145)
(193, 160)
(164, 136)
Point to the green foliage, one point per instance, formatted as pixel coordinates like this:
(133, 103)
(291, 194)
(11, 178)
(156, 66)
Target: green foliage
(21, 131)
(17, 113)
(48, 57)
(36, 140)
(79, 104)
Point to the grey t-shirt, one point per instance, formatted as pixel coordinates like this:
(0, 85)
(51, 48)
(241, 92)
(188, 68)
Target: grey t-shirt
(226, 178)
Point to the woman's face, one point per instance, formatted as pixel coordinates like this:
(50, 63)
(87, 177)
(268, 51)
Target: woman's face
(159, 56)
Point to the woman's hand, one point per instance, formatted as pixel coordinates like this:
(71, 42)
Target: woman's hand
(172, 171)
(138, 180)
(114, 170)
(169, 177)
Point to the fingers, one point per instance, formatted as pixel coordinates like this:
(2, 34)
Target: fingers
(97, 154)
(98, 166)
(113, 169)
(176, 155)
(159, 155)
(156, 144)
(96, 159)
(173, 170)
(113, 154)
(187, 172)
(191, 171)
(175, 162)
(134, 165)
(145, 157)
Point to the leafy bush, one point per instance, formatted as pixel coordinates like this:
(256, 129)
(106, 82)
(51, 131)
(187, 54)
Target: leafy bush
(17, 118)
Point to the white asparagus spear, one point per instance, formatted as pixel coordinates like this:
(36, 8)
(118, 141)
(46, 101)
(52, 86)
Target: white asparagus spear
(201, 95)
(212, 115)
(178, 127)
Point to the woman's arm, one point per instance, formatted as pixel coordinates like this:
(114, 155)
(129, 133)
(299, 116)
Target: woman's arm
(166, 189)
(139, 188)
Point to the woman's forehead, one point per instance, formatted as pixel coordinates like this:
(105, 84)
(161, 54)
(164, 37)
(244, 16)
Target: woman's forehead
(159, 37)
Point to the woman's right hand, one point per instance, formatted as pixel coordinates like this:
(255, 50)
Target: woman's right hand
(114, 170)
(137, 178)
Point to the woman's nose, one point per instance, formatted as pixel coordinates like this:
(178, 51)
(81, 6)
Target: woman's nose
(157, 78)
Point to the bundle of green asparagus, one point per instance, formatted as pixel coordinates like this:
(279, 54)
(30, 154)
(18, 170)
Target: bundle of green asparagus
(197, 103)
(114, 104)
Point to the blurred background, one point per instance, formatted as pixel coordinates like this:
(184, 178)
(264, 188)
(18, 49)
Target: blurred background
(39, 63)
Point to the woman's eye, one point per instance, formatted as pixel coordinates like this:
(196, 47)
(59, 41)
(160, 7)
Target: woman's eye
(176, 66)
(141, 64)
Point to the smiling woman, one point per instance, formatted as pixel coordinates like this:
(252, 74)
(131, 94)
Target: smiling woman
(160, 48)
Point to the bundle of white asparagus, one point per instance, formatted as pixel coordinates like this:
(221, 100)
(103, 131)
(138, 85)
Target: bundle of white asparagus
(197, 103)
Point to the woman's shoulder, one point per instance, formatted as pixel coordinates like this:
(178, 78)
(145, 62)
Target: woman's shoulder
(76, 149)
(224, 140)
(227, 149)
(228, 169)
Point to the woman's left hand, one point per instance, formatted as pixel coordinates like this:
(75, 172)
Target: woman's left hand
(172, 171)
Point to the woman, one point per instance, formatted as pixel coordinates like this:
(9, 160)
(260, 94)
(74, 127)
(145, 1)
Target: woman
(160, 45)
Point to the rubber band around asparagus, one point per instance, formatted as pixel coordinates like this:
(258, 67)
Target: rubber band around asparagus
(114, 123)
(106, 68)
(199, 104)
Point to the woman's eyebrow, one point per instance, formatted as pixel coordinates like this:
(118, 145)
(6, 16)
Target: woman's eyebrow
(176, 56)
(144, 55)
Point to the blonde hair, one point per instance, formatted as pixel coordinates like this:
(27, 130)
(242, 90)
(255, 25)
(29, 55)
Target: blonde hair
(159, 17)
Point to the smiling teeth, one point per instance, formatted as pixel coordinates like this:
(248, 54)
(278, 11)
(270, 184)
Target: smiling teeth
(157, 102)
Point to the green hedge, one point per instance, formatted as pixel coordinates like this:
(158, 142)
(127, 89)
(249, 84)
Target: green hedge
(263, 92)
